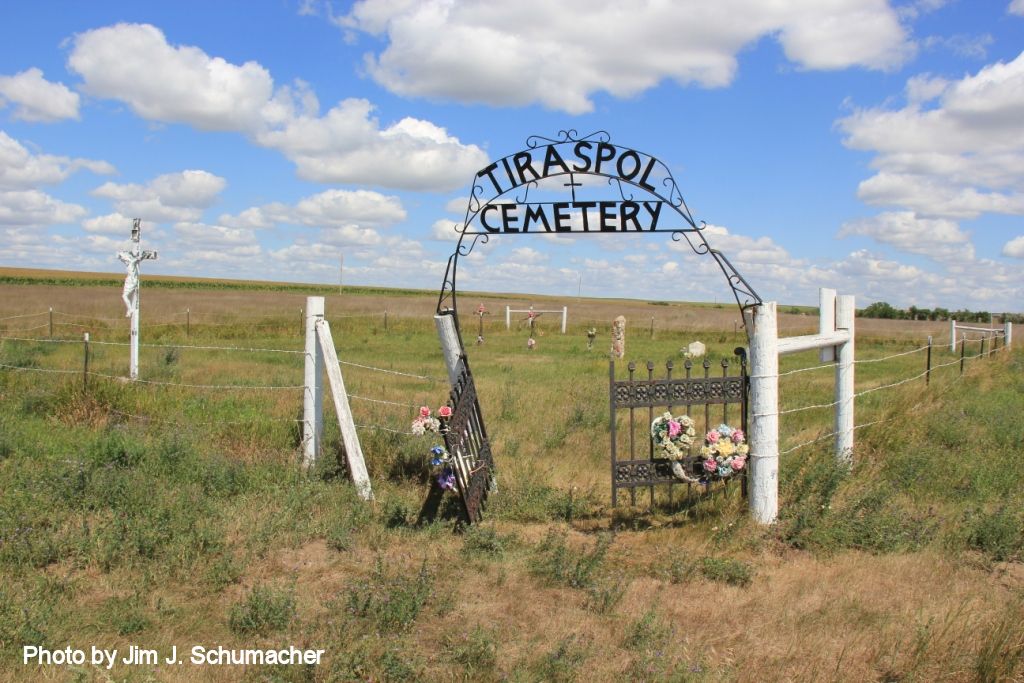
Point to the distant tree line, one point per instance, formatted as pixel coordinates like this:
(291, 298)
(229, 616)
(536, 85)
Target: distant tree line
(881, 309)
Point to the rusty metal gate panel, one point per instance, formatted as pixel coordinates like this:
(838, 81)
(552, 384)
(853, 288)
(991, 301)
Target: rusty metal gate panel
(639, 468)
(465, 438)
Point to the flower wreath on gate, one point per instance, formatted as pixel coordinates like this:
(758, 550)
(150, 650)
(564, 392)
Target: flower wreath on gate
(723, 454)
(441, 461)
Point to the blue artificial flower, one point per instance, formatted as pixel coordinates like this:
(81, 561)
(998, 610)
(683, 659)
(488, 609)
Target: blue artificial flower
(437, 450)
(725, 430)
(724, 470)
(436, 461)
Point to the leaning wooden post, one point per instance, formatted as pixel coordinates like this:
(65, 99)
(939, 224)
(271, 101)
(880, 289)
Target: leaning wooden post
(845, 313)
(762, 324)
(349, 437)
(313, 396)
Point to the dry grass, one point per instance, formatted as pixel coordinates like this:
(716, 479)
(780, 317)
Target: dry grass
(933, 613)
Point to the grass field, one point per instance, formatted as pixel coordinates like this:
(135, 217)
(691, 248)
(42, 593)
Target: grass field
(164, 515)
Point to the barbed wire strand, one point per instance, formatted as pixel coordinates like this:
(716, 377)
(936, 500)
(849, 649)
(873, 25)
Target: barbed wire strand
(377, 400)
(30, 329)
(190, 423)
(23, 315)
(389, 372)
(24, 369)
(239, 387)
(895, 355)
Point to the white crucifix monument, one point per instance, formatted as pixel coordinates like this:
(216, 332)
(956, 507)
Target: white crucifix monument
(130, 293)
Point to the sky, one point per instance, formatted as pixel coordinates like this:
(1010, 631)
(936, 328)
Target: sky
(869, 146)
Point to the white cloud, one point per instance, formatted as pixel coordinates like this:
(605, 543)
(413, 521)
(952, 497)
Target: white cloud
(20, 168)
(739, 249)
(445, 230)
(560, 54)
(938, 238)
(961, 157)
(342, 207)
(37, 99)
(171, 197)
(1016, 7)
(35, 208)
(135, 64)
(1014, 248)
(111, 223)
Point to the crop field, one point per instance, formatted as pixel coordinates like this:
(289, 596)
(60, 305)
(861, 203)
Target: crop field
(172, 512)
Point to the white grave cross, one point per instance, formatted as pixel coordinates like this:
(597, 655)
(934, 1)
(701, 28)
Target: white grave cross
(130, 293)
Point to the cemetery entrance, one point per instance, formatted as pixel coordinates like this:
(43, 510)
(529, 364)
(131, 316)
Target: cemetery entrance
(566, 185)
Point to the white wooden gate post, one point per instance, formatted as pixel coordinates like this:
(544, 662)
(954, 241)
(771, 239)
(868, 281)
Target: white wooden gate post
(565, 316)
(761, 320)
(952, 335)
(1007, 334)
(508, 318)
(845, 313)
(313, 396)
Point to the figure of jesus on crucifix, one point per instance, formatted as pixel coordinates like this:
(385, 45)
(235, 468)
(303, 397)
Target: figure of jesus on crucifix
(131, 259)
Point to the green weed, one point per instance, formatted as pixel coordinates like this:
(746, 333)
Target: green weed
(264, 609)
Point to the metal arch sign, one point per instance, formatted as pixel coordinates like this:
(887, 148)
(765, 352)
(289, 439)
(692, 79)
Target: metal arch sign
(525, 193)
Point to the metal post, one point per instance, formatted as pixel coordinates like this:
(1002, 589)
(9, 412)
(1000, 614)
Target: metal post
(51, 322)
(845, 312)
(928, 367)
(764, 426)
(302, 321)
(188, 323)
(982, 345)
(652, 328)
(312, 398)
(385, 320)
(963, 345)
(85, 366)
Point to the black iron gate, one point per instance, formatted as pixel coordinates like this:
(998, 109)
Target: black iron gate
(465, 438)
(696, 394)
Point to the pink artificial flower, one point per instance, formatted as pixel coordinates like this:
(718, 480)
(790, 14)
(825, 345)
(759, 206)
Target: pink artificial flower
(737, 435)
(710, 465)
(674, 428)
(424, 411)
(738, 463)
(444, 411)
(712, 436)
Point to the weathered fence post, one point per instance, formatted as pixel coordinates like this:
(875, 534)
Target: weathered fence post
(85, 366)
(762, 323)
(845, 314)
(188, 323)
(1007, 334)
(313, 395)
(652, 328)
(385, 320)
(508, 317)
(51, 322)
(928, 363)
(565, 317)
(982, 352)
(952, 335)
